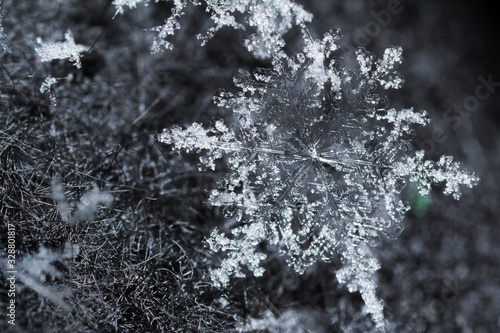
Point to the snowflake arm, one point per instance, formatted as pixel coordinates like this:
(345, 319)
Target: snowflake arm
(426, 173)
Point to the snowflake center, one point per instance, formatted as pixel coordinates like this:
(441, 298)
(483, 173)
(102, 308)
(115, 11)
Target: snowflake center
(313, 153)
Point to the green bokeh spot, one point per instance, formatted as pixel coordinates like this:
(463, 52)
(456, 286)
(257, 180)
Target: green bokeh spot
(419, 204)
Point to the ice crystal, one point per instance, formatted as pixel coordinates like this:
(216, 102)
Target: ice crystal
(316, 163)
(270, 18)
(62, 50)
(47, 84)
(290, 320)
(85, 209)
(47, 87)
(2, 33)
(168, 29)
(120, 4)
(36, 269)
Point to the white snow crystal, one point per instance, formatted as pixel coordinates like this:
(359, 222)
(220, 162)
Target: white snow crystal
(315, 170)
(47, 83)
(119, 4)
(86, 207)
(61, 50)
(270, 19)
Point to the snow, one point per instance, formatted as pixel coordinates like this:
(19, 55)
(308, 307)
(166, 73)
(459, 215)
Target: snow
(61, 50)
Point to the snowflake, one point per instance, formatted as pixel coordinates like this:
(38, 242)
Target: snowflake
(47, 84)
(64, 50)
(119, 4)
(316, 163)
(270, 18)
(3, 45)
(85, 209)
(47, 87)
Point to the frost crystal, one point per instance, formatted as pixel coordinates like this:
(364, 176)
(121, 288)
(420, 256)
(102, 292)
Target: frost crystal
(119, 4)
(271, 19)
(64, 50)
(2, 34)
(37, 268)
(46, 87)
(168, 29)
(316, 163)
(85, 209)
(47, 84)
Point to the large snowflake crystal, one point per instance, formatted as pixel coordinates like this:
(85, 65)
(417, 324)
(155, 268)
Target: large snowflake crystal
(316, 163)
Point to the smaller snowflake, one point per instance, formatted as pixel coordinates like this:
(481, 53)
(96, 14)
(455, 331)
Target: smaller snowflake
(62, 50)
